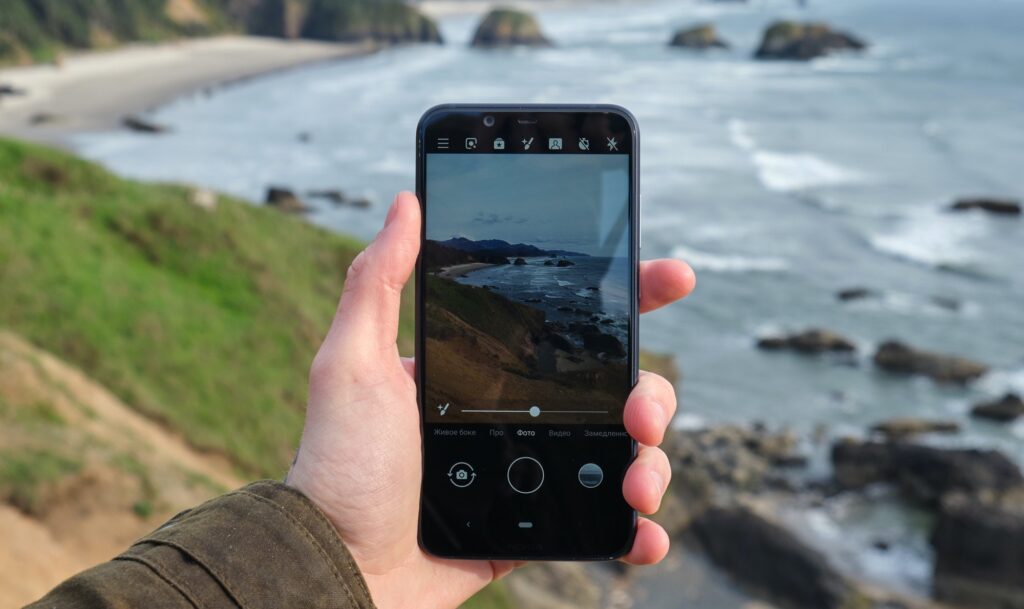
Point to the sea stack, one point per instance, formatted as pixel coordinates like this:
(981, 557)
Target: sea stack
(698, 37)
(804, 41)
(505, 27)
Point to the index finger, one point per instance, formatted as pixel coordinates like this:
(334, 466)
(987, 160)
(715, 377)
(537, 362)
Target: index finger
(663, 282)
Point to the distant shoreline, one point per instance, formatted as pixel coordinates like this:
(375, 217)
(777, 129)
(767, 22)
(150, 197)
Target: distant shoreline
(94, 91)
(461, 270)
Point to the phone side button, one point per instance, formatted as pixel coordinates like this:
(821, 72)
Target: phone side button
(640, 222)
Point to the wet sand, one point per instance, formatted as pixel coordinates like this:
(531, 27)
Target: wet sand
(461, 270)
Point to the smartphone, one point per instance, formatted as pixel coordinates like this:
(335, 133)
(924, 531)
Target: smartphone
(526, 303)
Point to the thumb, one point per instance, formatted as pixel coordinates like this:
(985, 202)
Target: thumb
(366, 324)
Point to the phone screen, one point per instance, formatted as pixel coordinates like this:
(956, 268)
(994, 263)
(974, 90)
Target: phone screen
(526, 331)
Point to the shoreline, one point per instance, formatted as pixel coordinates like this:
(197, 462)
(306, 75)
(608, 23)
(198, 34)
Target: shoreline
(461, 270)
(95, 90)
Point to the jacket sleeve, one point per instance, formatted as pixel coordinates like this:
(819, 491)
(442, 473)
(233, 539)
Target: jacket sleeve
(265, 546)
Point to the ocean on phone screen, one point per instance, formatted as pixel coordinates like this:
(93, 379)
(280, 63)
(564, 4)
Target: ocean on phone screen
(591, 291)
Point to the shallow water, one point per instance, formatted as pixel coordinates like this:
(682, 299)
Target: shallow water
(780, 182)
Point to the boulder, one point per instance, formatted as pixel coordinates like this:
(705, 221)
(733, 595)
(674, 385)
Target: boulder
(519, 262)
(554, 585)
(549, 263)
(804, 41)
(765, 556)
(563, 263)
(908, 427)
(1003, 207)
(142, 125)
(698, 37)
(285, 200)
(894, 356)
(505, 27)
(979, 552)
(334, 196)
(10, 90)
(1006, 409)
(732, 457)
(926, 473)
(857, 293)
(809, 341)
(599, 342)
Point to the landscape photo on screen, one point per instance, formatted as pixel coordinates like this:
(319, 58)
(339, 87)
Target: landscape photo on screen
(527, 288)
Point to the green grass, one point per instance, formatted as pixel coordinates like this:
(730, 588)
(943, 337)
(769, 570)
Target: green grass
(489, 313)
(494, 596)
(40, 30)
(25, 473)
(206, 320)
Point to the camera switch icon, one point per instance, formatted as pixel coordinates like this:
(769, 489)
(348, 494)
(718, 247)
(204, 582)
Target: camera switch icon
(461, 474)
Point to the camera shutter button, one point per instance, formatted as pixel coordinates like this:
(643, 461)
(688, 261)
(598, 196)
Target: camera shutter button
(525, 475)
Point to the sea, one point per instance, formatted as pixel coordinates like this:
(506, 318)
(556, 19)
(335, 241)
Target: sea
(779, 182)
(594, 290)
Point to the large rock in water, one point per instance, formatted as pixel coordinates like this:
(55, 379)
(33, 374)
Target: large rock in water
(979, 552)
(1005, 409)
(897, 357)
(814, 340)
(804, 41)
(505, 27)
(698, 37)
(284, 200)
(767, 557)
(907, 427)
(926, 473)
(1004, 207)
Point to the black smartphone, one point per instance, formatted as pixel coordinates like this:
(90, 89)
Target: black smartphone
(526, 333)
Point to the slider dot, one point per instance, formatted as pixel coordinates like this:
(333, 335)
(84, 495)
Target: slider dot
(534, 411)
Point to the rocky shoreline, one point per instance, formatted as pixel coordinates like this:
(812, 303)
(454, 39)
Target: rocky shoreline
(732, 484)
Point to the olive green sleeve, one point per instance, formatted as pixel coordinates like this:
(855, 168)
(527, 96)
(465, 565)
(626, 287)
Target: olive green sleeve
(265, 546)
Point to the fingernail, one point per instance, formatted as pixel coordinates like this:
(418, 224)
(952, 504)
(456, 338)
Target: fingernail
(661, 414)
(658, 481)
(392, 212)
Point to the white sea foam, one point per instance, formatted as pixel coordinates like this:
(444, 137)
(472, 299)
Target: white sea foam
(726, 263)
(687, 421)
(562, 283)
(739, 134)
(933, 238)
(1000, 381)
(788, 172)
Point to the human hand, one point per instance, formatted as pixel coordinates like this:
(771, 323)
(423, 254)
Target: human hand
(360, 458)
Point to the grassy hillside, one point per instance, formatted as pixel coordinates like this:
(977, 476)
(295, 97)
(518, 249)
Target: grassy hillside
(39, 30)
(36, 30)
(204, 319)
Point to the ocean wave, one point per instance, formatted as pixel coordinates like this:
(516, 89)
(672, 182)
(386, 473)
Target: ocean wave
(788, 172)
(932, 238)
(688, 421)
(726, 263)
(1000, 381)
(905, 303)
(739, 134)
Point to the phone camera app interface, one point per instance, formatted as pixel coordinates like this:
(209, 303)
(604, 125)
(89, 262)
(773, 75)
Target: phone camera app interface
(527, 272)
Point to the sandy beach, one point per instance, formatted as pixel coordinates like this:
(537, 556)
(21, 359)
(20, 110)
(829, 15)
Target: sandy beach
(93, 91)
(461, 270)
